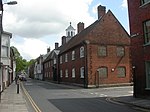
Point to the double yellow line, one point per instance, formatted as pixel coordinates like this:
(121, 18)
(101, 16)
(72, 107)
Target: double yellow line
(36, 108)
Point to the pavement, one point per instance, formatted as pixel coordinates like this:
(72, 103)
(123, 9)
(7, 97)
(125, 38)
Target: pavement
(132, 101)
(11, 101)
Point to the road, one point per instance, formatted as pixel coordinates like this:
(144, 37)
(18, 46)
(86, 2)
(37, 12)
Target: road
(50, 97)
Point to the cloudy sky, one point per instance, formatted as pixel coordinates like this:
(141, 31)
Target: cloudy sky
(38, 24)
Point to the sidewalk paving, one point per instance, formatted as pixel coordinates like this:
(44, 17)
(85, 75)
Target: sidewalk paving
(130, 100)
(11, 101)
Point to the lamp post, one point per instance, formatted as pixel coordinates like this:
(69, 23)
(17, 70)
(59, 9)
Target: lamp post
(1, 31)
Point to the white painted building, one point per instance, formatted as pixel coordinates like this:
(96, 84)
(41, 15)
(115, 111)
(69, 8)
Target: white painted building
(5, 60)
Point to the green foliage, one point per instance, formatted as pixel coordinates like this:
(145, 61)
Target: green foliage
(21, 64)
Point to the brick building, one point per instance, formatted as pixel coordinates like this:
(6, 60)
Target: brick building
(139, 17)
(97, 55)
(50, 65)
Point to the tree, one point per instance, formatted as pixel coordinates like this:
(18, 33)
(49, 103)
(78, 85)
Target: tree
(21, 64)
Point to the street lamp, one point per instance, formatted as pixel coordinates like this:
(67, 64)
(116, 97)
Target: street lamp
(1, 31)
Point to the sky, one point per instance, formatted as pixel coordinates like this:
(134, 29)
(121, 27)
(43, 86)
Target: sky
(38, 24)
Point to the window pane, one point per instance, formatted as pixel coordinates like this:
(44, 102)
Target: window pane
(120, 51)
(82, 72)
(60, 59)
(73, 55)
(5, 41)
(66, 57)
(121, 71)
(147, 31)
(4, 51)
(73, 73)
(103, 72)
(102, 51)
(81, 52)
(61, 75)
(145, 1)
(66, 72)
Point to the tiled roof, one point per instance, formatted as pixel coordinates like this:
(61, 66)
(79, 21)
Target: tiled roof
(97, 33)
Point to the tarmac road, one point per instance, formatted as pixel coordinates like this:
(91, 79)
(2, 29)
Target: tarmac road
(49, 97)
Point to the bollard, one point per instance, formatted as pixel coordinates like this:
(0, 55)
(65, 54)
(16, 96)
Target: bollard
(17, 87)
(0, 93)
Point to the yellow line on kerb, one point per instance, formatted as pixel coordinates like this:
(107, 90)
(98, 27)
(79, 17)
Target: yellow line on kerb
(36, 108)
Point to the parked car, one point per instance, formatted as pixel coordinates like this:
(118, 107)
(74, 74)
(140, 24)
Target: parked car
(22, 77)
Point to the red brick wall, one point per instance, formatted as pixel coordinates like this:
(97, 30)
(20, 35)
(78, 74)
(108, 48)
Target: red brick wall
(140, 53)
(111, 61)
(77, 64)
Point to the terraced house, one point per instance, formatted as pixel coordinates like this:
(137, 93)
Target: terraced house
(139, 17)
(96, 55)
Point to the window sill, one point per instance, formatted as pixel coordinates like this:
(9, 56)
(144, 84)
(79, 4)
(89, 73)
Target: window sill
(82, 77)
(147, 44)
(147, 88)
(143, 5)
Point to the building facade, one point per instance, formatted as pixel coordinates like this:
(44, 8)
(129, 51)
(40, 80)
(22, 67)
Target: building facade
(97, 55)
(139, 17)
(50, 65)
(5, 60)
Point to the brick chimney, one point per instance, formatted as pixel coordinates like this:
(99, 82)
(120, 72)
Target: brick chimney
(48, 50)
(80, 26)
(101, 11)
(56, 45)
(63, 40)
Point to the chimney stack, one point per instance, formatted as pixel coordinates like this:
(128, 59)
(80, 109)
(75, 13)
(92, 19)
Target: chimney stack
(56, 45)
(48, 50)
(63, 39)
(80, 26)
(101, 11)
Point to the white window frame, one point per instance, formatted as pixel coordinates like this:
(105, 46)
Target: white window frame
(82, 72)
(66, 57)
(145, 1)
(73, 55)
(60, 59)
(61, 74)
(147, 31)
(81, 52)
(66, 73)
(73, 73)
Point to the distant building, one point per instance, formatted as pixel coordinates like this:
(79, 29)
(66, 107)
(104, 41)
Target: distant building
(50, 66)
(139, 17)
